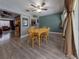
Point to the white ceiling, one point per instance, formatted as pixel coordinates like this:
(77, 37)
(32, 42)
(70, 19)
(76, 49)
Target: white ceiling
(54, 6)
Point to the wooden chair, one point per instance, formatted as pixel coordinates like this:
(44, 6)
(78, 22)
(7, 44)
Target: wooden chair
(32, 37)
(45, 35)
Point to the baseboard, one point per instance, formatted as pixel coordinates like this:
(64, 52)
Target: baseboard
(55, 33)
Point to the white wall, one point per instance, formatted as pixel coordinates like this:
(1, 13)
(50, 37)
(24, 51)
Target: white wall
(4, 23)
(24, 28)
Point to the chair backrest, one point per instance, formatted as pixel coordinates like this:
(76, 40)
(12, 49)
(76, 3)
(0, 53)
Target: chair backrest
(48, 29)
(31, 32)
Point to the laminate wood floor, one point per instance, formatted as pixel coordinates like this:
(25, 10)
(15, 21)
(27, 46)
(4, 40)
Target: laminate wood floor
(16, 48)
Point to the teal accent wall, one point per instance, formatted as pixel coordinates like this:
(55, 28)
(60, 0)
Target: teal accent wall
(52, 21)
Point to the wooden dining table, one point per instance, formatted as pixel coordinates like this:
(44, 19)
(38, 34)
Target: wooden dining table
(39, 31)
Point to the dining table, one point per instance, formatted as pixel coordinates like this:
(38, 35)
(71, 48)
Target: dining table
(39, 31)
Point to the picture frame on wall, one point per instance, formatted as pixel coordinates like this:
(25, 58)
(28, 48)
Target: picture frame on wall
(25, 21)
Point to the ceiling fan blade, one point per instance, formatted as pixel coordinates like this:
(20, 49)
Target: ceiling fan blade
(28, 10)
(44, 9)
(33, 5)
(43, 4)
(33, 10)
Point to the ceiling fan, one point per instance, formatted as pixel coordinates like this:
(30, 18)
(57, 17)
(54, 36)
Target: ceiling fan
(38, 8)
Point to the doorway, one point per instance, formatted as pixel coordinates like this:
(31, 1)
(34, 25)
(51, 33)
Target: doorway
(12, 24)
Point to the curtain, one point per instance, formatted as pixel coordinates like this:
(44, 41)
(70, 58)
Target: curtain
(69, 28)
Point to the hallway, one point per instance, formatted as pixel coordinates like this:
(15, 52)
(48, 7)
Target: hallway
(15, 48)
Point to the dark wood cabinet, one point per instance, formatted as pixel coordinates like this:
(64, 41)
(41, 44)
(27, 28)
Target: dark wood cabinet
(17, 26)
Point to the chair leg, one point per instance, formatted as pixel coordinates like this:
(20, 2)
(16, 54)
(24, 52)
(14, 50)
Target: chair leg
(32, 43)
(39, 42)
(46, 39)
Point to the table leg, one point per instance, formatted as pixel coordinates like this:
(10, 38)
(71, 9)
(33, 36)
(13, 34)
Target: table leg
(32, 43)
(39, 41)
(46, 39)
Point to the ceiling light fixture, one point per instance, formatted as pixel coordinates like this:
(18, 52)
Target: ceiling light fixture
(39, 10)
